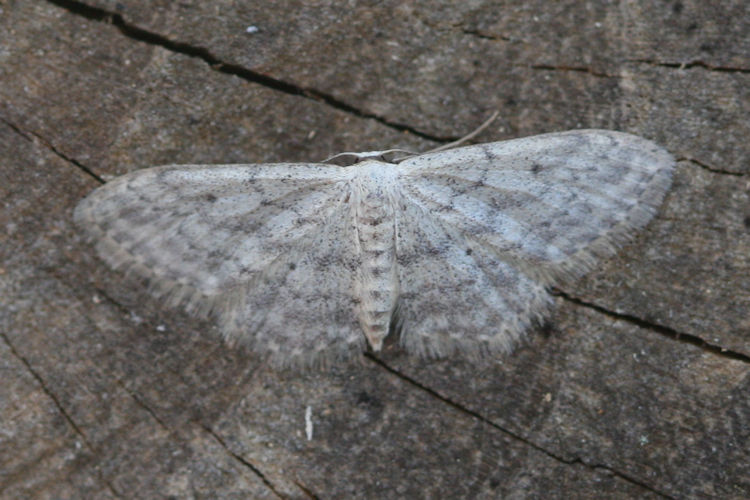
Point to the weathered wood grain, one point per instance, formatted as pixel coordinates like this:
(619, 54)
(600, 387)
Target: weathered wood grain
(639, 385)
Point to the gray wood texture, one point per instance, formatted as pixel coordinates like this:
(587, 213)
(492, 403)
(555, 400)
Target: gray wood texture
(637, 388)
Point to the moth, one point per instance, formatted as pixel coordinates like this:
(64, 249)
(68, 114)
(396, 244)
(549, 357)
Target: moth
(452, 251)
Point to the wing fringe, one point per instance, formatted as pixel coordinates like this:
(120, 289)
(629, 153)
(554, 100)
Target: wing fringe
(610, 243)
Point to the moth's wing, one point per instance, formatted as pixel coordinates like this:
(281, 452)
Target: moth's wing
(302, 308)
(550, 204)
(196, 232)
(456, 295)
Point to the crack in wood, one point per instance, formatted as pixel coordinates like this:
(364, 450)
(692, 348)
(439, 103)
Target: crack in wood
(163, 424)
(710, 168)
(485, 36)
(577, 69)
(435, 394)
(47, 390)
(307, 491)
(242, 460)
(690, 65)
(143, 405)
(202, 53)
(666, 331)
(39, 139)
(56, 401)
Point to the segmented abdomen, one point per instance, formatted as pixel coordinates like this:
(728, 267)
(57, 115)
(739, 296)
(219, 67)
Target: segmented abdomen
(377, 282)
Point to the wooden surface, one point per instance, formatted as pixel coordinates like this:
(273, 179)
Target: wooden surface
(638, 387)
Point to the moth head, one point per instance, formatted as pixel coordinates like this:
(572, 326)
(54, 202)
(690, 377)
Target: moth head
(387, 156)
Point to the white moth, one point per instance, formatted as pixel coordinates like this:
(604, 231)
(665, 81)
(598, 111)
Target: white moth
(451, 251)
